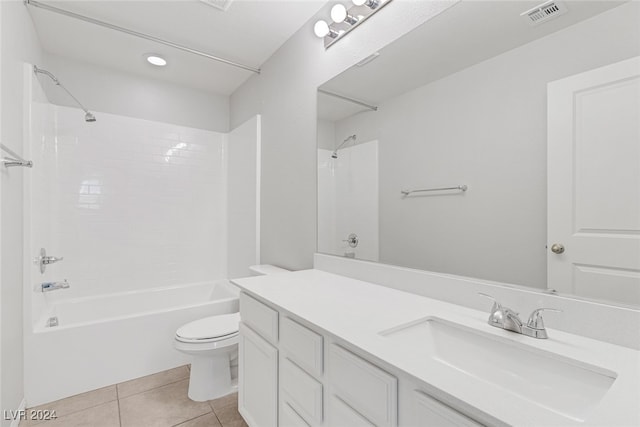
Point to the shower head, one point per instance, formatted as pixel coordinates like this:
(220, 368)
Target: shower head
(334, 155)
(88, 116)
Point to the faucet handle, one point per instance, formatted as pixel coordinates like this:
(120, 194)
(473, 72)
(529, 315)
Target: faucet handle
(496, 304)
(535, 319)
(496, 316)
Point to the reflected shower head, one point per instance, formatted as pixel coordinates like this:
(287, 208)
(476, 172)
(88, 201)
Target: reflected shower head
(88, 117)
(334, 155)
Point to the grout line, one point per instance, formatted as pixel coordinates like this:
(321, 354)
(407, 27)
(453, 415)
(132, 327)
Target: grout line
(216, 415)
(79, 410)
(154, 388)
(191, 419)
(118, 400)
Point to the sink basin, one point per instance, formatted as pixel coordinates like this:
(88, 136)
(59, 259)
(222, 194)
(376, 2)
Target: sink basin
(562, 385)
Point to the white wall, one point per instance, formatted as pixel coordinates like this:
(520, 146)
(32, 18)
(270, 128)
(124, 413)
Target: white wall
(112, 91)
(243, 195)
(485, 127)
(326, 135)
(285, 94)
(130, 204)
(19, 43)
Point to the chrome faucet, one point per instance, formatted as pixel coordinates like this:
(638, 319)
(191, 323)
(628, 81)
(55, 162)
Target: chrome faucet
(505, 318)
(52, 286)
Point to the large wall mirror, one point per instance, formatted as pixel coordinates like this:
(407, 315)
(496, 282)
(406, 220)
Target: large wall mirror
(524, 134)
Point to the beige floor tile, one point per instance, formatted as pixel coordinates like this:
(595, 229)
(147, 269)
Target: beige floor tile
(236, 423)
(231, 399)
(150, 382)
(229, 415)
(105, 415)
(208, 420)
(75, 403)
(163, 406)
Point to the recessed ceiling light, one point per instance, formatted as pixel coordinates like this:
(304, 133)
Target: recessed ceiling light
(156, 60)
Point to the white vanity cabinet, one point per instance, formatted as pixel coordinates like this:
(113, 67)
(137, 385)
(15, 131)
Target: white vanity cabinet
(368, 390)
(291, 375)
(257, 364)
(424, 410)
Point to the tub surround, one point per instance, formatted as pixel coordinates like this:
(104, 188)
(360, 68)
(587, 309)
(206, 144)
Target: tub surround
(354, 312)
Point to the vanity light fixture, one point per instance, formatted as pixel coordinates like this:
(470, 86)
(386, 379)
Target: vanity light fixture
(321, 29)
(371, 4)
(155, 59)
(345, 20)
(339, 14)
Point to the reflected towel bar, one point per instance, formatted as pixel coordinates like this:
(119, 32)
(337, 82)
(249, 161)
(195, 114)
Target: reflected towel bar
(14, 160)
(458, 187)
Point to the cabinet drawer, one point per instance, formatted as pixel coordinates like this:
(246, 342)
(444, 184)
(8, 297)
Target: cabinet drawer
(289, 417)
(302, 344)
(429, 411)
(301, 391)
(341, 415)
(366, 388)
(259, 317)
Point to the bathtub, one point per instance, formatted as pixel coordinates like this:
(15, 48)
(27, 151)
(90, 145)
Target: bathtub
(103, 340)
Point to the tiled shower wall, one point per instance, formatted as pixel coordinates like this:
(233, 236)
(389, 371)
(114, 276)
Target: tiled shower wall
(129, 203)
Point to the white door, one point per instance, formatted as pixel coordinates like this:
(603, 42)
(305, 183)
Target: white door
(593, 236)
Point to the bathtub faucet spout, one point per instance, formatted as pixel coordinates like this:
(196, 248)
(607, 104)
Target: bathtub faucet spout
(52, 286)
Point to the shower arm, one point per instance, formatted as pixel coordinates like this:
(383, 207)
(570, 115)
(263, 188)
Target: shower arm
(57, 82)
(349, 138)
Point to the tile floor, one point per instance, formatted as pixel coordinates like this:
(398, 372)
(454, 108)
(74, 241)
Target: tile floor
(158, 400)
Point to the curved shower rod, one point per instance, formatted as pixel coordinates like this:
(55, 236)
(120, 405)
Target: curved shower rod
(88, 116)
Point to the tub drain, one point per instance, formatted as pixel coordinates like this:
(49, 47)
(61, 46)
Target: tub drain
(53, 321)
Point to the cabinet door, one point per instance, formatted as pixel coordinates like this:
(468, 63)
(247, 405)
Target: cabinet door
(363, 386)
(429, 412)
(257, 380)
(342, 415)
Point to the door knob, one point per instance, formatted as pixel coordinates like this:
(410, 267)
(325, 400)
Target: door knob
(557, 248)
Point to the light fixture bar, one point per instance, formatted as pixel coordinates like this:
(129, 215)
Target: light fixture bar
(138, 34)
(352, 100)
(362, 13)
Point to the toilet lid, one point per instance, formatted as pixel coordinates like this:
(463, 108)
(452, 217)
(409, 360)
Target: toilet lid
(210, 327)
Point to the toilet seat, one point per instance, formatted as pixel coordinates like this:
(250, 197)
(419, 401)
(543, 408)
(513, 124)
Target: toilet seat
(210, 329)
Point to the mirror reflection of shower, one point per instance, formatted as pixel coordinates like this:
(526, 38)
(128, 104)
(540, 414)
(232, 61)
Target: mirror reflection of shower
(334, 155)
(88, 115)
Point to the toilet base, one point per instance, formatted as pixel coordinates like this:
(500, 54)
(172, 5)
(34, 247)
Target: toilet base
(210, 378)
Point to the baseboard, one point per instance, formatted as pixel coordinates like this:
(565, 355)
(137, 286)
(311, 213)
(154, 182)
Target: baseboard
(21, 408)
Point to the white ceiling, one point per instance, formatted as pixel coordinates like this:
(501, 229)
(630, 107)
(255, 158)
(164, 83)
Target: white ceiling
(249, 32)
(463, 35)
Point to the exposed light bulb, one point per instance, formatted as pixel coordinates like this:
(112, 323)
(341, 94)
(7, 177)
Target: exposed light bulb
(321, 28)
(338, 13)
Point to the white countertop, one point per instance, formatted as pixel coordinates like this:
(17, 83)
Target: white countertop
(356, 311)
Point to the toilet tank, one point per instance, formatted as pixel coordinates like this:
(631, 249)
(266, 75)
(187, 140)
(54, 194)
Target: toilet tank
(265, 269)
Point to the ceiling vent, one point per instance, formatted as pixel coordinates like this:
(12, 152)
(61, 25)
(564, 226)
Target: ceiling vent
(222, 5)
(544, 12)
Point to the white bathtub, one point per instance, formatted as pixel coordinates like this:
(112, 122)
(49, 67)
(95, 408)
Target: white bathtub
(108, 339)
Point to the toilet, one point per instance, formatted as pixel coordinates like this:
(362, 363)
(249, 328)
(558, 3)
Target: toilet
(212, 343)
